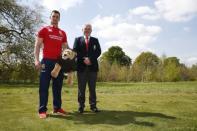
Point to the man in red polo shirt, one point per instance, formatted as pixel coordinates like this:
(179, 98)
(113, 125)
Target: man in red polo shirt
(52, 39)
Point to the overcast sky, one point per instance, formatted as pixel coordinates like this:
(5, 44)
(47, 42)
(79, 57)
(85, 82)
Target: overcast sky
(161, 26)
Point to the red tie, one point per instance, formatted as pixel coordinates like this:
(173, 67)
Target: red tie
(86, 43)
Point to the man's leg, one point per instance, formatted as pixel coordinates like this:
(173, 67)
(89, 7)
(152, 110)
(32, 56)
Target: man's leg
(92, 77)
(57, 88)
(45, 78)
(82, 80)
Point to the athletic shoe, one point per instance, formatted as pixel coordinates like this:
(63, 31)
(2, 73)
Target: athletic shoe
(43, 115)
(60, 112)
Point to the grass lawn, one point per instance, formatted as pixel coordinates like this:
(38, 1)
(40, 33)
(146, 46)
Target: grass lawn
(125, 107)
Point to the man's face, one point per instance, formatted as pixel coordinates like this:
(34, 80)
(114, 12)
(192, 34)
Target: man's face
(87, 30)
(55, 18)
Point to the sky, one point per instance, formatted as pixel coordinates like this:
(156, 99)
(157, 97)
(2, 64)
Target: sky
(164, 27)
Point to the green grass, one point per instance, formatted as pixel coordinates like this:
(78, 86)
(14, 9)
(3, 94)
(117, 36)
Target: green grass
(125, 107)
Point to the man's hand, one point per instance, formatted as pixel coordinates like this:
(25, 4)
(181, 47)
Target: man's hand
(37, 65)
(87, 61)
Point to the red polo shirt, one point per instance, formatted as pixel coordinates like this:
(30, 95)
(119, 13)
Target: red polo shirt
(53, 38)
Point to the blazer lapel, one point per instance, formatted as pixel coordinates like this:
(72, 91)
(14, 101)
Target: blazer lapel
(83, 44)
(90, 43)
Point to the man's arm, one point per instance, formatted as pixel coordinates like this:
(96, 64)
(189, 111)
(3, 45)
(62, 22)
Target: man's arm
(93, 57)
(75, 45)
(38, 45)
(65, 46)
(76, 49)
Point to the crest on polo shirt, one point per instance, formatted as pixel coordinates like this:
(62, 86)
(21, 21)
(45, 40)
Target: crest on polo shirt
(49, 29)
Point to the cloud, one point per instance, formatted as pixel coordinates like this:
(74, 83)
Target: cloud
(190, 61)
(145, 12)
(60, 4)
(177, 10)
(173, 11)
(142, 10)
(116, 30)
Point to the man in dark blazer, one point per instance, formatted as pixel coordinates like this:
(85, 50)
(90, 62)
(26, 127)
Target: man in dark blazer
(88, 50)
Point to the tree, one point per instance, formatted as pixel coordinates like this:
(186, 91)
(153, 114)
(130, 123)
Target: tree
(169, 60)
(193, 72)
(104, 68)
(17, 26)
(184, 73)
(115, 54)
(172, 69)
(144, 67)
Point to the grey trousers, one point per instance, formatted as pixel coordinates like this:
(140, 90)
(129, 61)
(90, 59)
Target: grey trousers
(84, 78)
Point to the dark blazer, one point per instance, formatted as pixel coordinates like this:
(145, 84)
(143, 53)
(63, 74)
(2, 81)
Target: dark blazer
(94, 51)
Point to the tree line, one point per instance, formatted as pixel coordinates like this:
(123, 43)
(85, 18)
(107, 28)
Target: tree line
(18, 25)
(146, 67)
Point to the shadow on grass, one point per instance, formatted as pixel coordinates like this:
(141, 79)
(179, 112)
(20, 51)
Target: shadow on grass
(112, 117)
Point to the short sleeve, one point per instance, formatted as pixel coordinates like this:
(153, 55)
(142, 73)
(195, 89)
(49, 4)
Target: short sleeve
(64, 38)
(41, 33)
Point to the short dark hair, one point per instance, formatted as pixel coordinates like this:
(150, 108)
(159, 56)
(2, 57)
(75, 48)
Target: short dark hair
(56, 11)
